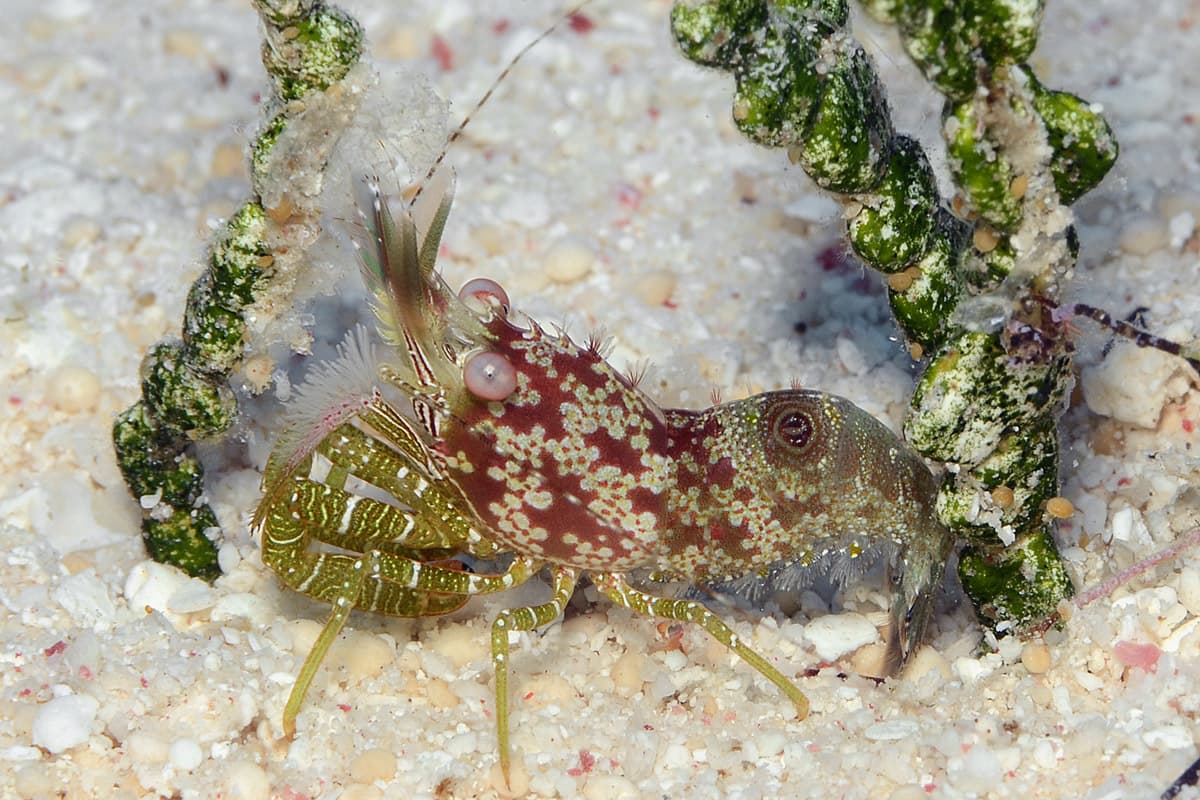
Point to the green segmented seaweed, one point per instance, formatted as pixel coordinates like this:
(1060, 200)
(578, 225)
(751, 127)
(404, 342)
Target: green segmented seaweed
(803, 83)
(308, 47)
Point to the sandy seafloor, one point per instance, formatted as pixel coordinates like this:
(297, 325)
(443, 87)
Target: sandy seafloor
(122, 130)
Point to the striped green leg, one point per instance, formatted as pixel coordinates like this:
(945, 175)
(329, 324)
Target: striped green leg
(370, 582)
(351, 585)
(618, 591)
(342, 607)
(522, 619)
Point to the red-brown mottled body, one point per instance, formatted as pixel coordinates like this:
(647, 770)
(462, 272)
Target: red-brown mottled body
(579, 468)
(573, 467)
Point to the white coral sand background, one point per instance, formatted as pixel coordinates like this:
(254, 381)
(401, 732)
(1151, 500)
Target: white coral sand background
(604, 187)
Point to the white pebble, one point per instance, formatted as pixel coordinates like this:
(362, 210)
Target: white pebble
(193, 596)
(892, 730)
(674, 757)
(251, 607)
(770, 743)
(151, 585)
(1089, 682)
(185, 754)
(73, 389)
(462, 745)
(1189, 590)
(609, 787)
(373, 765)
(834, 635)
(144, 748)
(811, 207)
(64, 722)
(1181, 227)
(1128, 526)
(675, 660)
(851, 357)
(656, 287)
(626, 673)
(1143, 236)
(228, 558)
(981, 771)
(1168, 737)
(1131, 385)
(247, 781)
(970, 670)
(86, 598)
(1047, 753)
(568, 260)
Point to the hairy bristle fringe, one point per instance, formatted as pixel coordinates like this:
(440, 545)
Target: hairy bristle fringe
(599, 343)
(835, 567)
(332, 392)
(636, 373)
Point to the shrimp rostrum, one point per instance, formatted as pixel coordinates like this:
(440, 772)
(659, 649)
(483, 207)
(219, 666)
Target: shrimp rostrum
(481, 434)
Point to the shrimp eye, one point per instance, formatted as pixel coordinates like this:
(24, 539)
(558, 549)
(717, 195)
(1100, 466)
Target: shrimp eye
(484, 292)
(795, 428)
(490, 376)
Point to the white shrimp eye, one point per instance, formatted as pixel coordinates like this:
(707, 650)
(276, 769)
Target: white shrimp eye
(485, 291)
(490, 376)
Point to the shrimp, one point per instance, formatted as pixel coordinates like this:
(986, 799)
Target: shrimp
(477, 432)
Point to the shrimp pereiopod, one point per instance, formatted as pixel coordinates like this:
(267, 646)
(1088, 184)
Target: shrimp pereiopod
(492, 437)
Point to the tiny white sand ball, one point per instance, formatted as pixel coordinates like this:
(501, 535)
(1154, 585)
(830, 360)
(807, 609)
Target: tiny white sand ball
(247, 781)
(373, 765)
(835, 635)
(655, 288)
(1036, 657)
(568, 260)
(1143, 236)
(185, 755)
(627, 673)
(73, 389)
(64, 722)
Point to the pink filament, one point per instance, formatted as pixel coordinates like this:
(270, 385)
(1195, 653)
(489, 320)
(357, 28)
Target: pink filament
(1190, 539)
(490, 376)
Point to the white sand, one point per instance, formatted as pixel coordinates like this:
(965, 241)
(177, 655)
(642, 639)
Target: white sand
(123, 128)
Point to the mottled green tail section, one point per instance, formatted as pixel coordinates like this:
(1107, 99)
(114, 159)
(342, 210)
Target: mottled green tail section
(803, 83)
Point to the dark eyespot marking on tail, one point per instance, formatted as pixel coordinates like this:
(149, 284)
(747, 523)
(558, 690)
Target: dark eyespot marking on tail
(794, 428)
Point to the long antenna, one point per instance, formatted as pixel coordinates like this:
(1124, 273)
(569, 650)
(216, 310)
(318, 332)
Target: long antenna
(457, 134)
(1135, 334)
